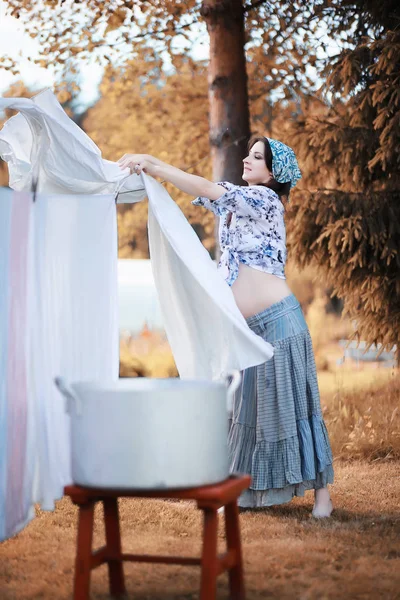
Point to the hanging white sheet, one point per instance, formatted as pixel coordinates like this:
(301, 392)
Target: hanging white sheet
(58, 316)
(206, 331)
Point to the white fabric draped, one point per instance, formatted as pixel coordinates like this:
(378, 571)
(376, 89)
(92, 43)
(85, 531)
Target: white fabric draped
(58, 286)
(206, 331)
(58, 316)
(41, 143)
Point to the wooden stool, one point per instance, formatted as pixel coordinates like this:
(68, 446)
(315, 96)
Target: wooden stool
(209, 499)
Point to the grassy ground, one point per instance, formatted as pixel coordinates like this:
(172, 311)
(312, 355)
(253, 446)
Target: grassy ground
(361, 410)
(354, 555)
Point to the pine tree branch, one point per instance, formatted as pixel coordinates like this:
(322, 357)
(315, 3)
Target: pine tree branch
(324, 122)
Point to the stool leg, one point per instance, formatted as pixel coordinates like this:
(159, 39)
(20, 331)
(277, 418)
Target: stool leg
(113, 541)
(84, 551)
(208, 585)
(236, 580)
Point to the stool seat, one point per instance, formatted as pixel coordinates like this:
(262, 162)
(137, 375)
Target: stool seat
(209, 499)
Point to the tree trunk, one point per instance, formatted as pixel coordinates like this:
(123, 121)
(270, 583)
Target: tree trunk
(227, 91)
(227, 78)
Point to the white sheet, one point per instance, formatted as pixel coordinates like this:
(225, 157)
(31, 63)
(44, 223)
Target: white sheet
(58, 316)
(207, 333)
(41, 143)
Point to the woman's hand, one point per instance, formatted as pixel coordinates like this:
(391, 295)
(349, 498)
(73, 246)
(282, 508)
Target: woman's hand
(191, 184)
(137, 163)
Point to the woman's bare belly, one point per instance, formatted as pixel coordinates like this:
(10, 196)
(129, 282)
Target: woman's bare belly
(254, 290)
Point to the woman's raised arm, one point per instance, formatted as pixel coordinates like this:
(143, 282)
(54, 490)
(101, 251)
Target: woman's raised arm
(191, 184)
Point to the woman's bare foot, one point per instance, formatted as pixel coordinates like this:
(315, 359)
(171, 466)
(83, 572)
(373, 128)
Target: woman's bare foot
(323, 504)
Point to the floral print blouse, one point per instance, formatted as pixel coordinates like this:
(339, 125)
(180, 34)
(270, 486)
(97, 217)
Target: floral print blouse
(251, 231)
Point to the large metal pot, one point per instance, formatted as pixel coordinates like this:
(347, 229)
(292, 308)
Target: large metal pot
(148, 433)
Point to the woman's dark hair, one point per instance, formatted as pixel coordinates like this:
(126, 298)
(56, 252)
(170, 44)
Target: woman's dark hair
(282, 189)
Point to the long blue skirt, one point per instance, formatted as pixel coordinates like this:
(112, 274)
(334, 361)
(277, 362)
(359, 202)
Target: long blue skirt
(277, 433)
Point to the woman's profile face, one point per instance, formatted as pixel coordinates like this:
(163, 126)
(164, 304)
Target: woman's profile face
(255, 171)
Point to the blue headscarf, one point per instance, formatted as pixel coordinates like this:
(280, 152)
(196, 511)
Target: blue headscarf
(284, 163)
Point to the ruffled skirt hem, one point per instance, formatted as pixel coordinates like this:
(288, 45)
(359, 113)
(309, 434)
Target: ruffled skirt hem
(283, 469)
(261, 498)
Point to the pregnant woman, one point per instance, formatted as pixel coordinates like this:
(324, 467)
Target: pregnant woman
(277, 434)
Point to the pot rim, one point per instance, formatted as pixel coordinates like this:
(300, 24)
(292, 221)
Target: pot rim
(146, 384)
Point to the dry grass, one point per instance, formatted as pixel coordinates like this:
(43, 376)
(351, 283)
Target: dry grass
(354, 555)
(146, 355)
(365, 423)
(345, 379)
